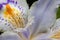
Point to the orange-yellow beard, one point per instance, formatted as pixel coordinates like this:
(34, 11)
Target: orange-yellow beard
(14, 17)
(56, 35)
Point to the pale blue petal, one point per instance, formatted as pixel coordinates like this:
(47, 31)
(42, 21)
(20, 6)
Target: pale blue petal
(43, 36)
(44, 12)
(10, 36)
(26, 33)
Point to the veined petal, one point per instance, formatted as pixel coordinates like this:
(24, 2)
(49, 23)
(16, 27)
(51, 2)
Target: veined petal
(44, 12)
(10, 36)
(23, 4)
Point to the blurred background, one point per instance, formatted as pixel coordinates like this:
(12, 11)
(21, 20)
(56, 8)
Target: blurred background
(30, 2)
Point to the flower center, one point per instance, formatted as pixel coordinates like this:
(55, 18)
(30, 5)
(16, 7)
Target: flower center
(14, 16)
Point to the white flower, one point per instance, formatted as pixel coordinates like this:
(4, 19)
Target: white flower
(21, 23)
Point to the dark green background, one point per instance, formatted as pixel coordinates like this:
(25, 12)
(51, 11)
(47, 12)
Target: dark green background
(58, 13)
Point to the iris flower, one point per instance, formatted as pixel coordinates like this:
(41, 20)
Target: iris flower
(18, 22)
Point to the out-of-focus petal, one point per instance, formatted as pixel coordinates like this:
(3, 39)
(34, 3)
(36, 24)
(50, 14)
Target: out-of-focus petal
(56, 30)
(10, 36)
(44, 12)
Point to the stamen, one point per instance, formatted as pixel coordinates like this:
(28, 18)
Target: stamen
(14, 16)
(8, 8)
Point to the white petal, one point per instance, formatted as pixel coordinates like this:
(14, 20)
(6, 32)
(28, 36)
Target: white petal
(10, 36)
(4, 25)
(44, 12)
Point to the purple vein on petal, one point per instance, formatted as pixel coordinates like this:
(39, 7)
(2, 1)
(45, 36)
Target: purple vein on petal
(26, 33)
(10, 1)
(4, 3)
(16, 2)
(1, 6)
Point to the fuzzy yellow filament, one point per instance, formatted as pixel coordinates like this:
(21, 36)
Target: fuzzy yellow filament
(14, 16)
